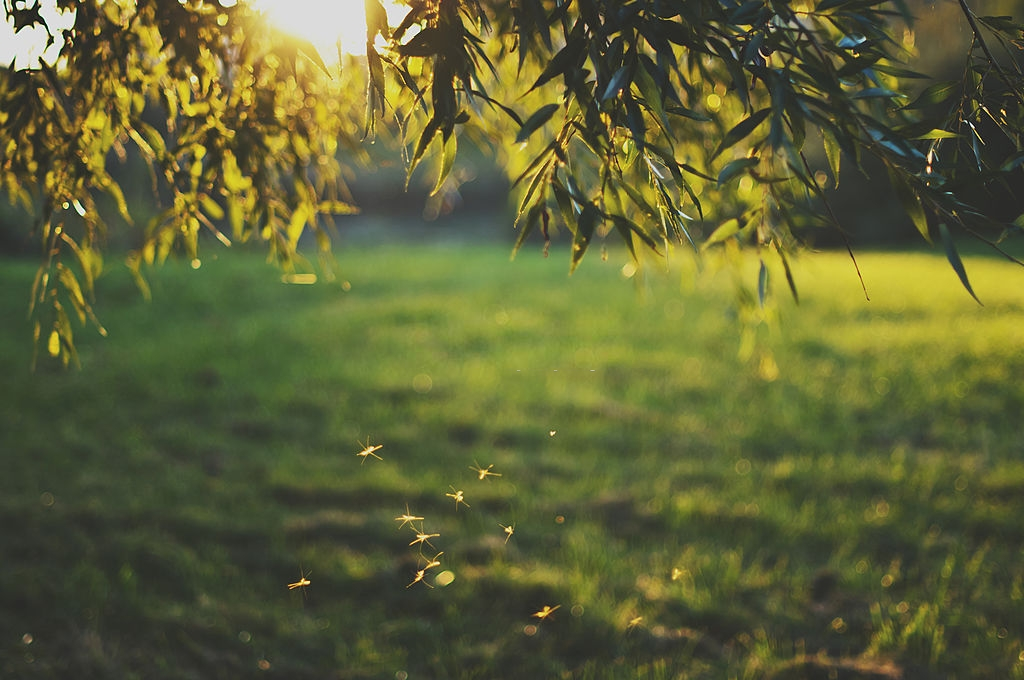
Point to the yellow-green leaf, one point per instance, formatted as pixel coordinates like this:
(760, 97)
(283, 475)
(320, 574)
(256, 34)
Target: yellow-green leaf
(832, 154)
(938, 134)
(211, 207)
(53, 344)
(729, 228)
(450, 146)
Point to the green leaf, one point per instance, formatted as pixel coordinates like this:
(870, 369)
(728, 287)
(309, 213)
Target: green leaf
(695, 172)
(535, 121)
(938, 134)
(911, 203)
(586, 224)
(954, 259)
(538, 177)
(832, 154)
(297, 224)
(1002, 23)
(935, 94)
(337, 208)
(566, 205)
(152, 139)
(619, 80)
(211, 207)
(688, 113)
(825, 5)
(741, 130)
(113, 189)
(564, 60)
(424, 44)
(649, 211)
(70, 283)
(635, 120)
(748, 13)
(652, 93)
(448, 153)
(626, 225)
(309, 51)
(898, 72)
(877, 93)
(789, 275)
(376, 19)
(375, 95)
(88, 259)
(527, 225)
(762, 284)
(725, 230)
(736, 167)
(53, 343)
(427, 136)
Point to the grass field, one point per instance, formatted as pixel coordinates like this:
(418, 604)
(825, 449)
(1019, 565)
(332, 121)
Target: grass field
(847, 502)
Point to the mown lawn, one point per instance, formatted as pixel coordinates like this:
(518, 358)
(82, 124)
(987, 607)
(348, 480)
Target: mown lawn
(844, 500)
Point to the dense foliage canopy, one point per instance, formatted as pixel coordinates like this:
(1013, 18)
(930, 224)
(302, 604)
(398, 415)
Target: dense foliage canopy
(696, 122)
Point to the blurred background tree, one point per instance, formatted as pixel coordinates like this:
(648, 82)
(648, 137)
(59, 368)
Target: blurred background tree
(703, 123)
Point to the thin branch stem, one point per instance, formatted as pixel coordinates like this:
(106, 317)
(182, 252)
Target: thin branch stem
(969, 14)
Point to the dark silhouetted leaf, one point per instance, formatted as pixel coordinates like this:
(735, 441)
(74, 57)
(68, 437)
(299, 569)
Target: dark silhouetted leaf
(618, 81)
(789, 275)
(535, 121)
(935, 94)
(740, 131)
(586, 224)
(735, 168)
(911, 203)
(762, 283)
(954, 259)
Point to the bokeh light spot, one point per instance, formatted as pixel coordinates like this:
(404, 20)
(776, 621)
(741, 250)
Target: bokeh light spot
(422, 383)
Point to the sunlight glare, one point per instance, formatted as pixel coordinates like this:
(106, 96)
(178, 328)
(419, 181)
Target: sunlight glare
(333, 26)
(27, 46)
(330, 25)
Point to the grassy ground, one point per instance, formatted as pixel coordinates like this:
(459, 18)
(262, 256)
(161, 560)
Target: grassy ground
(847, 502)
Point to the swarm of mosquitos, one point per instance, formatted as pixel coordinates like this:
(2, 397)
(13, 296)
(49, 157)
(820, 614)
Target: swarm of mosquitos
(422, 536)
